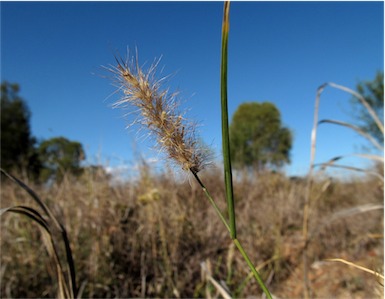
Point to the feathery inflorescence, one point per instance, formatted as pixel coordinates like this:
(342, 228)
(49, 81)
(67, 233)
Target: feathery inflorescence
(157, 112)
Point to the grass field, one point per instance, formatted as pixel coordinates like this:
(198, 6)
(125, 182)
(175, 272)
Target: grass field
(156, 237)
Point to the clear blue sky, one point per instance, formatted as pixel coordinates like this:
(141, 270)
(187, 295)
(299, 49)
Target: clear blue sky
(278, 51)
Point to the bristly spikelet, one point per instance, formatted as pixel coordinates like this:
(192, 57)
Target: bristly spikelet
(157, 111)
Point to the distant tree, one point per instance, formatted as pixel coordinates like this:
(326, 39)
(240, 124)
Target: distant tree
(373, 92)
(96, 173)
(60, 156)
(17, 144)
(257, 137)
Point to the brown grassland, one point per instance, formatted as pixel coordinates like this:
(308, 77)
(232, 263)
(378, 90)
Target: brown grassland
(157, 237)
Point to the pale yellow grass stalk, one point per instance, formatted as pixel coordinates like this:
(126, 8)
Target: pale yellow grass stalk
(356, 266)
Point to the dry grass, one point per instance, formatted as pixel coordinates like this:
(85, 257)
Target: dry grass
(149, 238)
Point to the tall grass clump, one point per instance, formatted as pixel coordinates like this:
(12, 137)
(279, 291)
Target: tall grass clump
(175, 136)
(379, 175)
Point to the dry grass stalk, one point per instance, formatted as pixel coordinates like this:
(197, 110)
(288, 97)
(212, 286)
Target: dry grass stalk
(207, 275)
(356, 266)
(158, 112)
(330, 163)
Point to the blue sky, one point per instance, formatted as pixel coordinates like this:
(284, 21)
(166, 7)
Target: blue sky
(278, 51)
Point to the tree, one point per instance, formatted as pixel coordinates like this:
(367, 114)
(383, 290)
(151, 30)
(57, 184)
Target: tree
(59, 156)
(373, 92)
(257, 137)
(17, 144)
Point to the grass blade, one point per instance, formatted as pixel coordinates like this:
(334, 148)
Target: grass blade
(29, 212)
(63, 290)
(226, 146)
(347, 167)
(59, 227)
(363, 102)
(355, 128)
(225, 122)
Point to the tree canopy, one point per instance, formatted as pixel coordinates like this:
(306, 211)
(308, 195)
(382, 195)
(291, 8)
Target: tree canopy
(257, 137)
(20, 152)
(59, 156)
(17, 143)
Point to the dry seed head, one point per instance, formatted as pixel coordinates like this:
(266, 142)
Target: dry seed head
(158, 112)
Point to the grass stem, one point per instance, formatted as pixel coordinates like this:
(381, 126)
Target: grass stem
(226, 145)
(252, 268)
(208, 195)
(225, 122)
(236, 242)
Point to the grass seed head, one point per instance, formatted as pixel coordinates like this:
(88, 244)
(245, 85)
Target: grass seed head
(158, 113)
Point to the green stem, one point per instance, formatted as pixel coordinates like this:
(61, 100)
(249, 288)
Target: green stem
(225, 123)
(252, 268)
(236, 242)
(226, 156)
(216, 208)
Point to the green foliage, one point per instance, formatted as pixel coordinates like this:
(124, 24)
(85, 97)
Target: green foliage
(257, 137)
(17, 144)
(60, 155)
(373, 92)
